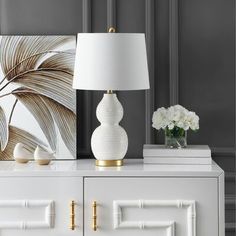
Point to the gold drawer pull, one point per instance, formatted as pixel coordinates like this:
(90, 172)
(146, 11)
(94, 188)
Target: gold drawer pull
(72, 215)
(94, 226)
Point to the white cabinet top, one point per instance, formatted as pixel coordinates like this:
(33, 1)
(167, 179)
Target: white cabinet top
(87, 167)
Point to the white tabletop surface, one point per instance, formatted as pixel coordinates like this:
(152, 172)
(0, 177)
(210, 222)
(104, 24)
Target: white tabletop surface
(86, 167)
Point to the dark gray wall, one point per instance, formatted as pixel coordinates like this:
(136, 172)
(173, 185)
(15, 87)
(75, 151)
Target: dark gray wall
(191, 53)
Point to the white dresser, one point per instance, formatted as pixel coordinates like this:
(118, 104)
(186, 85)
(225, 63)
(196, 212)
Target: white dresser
(133, 200)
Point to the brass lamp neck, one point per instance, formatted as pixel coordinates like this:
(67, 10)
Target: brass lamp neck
(109, 92)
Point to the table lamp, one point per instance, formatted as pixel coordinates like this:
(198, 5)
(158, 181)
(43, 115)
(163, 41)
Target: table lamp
(109, 62)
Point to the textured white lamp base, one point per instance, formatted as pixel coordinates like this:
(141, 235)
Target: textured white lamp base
(109, 141)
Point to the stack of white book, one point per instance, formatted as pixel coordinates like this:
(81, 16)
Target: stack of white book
(192, 154)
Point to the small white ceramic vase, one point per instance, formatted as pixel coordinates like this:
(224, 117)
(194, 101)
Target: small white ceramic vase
(22, 154)
(42, 156)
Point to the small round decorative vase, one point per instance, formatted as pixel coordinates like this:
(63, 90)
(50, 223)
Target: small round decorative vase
(175, 138)
(42, 156)
(22, 153)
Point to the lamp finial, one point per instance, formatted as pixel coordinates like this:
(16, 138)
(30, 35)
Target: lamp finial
(111, 30)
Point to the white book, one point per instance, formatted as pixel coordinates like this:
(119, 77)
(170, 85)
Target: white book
(177, 167)
(154, 150)
(179, 161)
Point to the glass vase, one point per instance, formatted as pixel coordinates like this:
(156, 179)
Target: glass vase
(175, 138)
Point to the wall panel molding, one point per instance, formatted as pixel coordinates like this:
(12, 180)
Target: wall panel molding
(1, 9)
(111, 14)
(86, 16)
(174, 51)
(150, 94)
(220, 151)
(230, 176)
(230, 202)
(86, 28)
(235, 80)
(230, 227)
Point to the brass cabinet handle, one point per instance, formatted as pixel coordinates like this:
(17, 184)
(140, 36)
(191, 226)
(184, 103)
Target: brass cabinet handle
(94, 225)
(72, 215)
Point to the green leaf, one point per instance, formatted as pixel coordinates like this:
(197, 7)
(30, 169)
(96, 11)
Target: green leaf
(175, 132)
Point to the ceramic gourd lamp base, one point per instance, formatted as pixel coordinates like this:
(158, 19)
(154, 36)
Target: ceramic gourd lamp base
(109, 141)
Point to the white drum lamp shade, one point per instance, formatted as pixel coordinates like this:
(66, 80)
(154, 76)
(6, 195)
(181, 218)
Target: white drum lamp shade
(110, 61)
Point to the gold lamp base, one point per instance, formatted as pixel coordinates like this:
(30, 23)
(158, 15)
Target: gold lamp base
(109, 163)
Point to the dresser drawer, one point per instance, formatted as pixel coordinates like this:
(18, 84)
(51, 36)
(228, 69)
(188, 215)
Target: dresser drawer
(33, 206)
(152, 206)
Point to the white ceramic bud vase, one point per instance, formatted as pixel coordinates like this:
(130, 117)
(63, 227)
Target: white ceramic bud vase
(42, 156)
(22, 154)
(109, 141)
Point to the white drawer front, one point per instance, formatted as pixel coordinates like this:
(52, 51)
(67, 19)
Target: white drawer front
(152, 206)
(33, 206)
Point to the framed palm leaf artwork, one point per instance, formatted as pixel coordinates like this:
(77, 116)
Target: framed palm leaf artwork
(37, 102)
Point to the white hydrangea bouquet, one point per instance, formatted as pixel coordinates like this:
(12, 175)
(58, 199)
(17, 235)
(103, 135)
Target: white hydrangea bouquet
(175, 120)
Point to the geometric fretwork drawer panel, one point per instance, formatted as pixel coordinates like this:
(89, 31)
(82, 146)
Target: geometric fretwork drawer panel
(46, 222)
(169, 226)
